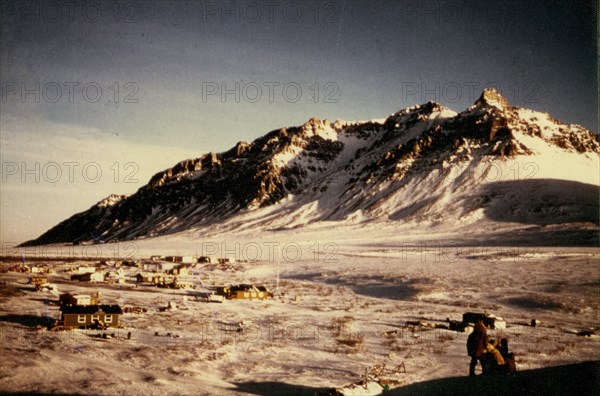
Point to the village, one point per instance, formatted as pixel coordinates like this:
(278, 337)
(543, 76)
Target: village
(370, 326)
(87, 311)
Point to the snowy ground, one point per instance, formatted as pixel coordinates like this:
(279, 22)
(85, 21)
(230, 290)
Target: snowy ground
(340, 311)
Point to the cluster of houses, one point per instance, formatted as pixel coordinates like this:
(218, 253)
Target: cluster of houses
(164, 280)
(86, 311)
(193, 259)
(156, 273)
(175, 272)
(34, 269)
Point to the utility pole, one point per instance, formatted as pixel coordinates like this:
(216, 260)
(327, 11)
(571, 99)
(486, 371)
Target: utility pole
(277, 285)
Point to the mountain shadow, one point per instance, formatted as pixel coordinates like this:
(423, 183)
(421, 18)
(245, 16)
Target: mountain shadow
(572, 379)
(541, 202)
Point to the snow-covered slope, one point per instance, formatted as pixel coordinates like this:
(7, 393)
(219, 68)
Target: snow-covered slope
(422, 166)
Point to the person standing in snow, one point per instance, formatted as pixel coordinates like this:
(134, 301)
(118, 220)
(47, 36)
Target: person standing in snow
(476, 345)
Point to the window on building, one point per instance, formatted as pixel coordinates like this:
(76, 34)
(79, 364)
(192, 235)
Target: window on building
(107, 318)
(95, 318)
(80, 318)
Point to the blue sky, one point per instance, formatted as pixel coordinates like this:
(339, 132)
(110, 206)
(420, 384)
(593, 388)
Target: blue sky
(107, 84)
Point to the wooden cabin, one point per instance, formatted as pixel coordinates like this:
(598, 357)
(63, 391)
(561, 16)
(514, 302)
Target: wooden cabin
(83, 316)
(244, 291)
(88, 277)
(37, 280)
(150, 277)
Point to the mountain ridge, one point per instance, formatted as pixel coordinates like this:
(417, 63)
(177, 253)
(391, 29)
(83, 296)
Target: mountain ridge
(425, 164)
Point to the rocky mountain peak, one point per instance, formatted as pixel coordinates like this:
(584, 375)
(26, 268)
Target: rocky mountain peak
(313, 122)
(490, 97)
(316, 126)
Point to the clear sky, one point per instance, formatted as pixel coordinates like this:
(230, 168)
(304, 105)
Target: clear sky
(98, 96)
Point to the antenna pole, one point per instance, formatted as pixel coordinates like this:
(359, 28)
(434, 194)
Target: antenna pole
(277, 287)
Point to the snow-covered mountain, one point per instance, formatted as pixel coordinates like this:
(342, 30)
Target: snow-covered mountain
(425, 165)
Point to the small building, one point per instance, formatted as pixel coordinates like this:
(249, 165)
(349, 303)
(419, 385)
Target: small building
(86, 270)
(225, 260)
(210, 296)
(251, 293)
(490, 321)
(180, 270)
(180, 259)
(115, 276)
(77, 299)
(182, 284)
(38, 280)
(82, 316)
(151, 266)
(88, 277)
(203, 259)
(148, 277)
(244, 291)
(156, 258)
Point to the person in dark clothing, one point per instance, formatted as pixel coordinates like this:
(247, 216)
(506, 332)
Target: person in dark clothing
(509, 357)
(476, 346)
(503, 347)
